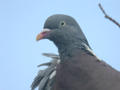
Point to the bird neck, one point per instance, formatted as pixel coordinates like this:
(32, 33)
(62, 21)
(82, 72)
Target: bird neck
(67, 45)
(67, 51)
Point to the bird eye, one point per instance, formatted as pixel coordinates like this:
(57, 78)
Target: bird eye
(62, 23)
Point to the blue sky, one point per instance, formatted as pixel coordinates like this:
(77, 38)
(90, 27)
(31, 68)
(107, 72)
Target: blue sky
(22, 20)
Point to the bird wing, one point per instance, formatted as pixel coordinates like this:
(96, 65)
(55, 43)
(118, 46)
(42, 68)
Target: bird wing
(45, 78)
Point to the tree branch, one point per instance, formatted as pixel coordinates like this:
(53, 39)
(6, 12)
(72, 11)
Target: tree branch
(107, 16)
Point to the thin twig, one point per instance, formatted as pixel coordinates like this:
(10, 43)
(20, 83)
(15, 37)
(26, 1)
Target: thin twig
(107, 16)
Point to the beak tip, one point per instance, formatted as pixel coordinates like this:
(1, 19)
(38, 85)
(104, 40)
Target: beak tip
(39, 36)
(37, 39)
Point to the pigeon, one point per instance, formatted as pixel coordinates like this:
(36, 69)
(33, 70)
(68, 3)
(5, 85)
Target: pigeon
(79, 68)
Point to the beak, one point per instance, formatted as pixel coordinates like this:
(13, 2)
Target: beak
(42, 34)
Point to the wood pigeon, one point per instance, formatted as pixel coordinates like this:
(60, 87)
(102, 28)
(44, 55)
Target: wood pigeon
(76, 67)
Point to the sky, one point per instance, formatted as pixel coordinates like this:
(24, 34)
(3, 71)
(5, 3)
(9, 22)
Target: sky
(22, 20)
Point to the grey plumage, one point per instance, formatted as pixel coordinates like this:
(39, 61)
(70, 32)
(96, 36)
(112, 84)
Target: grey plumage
(45, 77)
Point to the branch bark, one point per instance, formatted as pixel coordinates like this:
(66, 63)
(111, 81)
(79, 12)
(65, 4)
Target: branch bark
(107, 16)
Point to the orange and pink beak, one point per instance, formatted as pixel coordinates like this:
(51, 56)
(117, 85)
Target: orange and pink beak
(42, 34)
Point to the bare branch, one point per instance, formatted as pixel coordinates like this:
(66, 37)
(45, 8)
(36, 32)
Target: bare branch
(107, 16)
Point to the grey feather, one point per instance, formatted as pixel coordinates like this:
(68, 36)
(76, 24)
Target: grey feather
(43, 82)
(37, 79)
(45, 78)
(51, 55)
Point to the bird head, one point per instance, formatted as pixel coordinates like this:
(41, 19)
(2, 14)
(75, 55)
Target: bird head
(63, 30)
